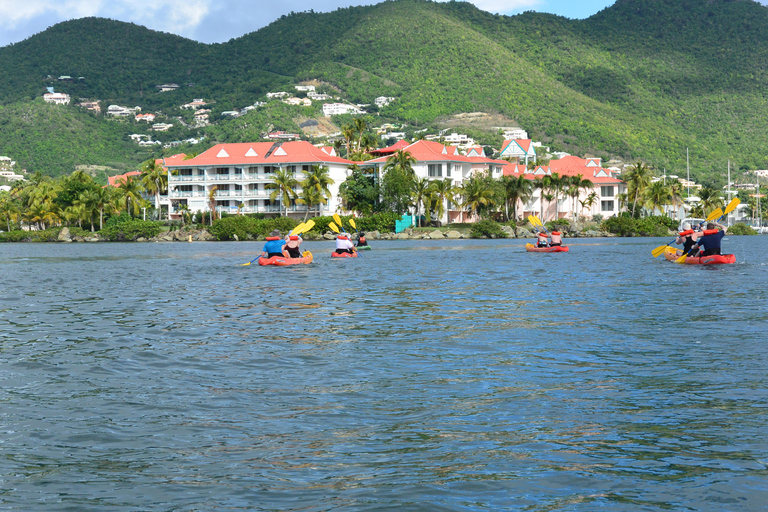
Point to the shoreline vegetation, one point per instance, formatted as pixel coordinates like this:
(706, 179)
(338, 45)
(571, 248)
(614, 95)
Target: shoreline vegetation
(377, 227)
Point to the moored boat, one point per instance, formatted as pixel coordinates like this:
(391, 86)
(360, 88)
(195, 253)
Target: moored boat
(281, 261)
(557, 248)
(716, 259)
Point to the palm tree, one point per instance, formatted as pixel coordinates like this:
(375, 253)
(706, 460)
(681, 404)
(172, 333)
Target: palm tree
(397, 183)
(589, 201)
(542, 185)
(212, 202)
(420, 193)
(103, 200)
(556, 185)
(284, 186)
(9, 209)
(87, 203)
(154, 179)
(183, 208)
(443, 191)
(316, 183)
(477, 194)
(709, 199)
(575, 185)
(638, 179)
(656, 196)
(676, 194)
(516, 189)
(130, 191)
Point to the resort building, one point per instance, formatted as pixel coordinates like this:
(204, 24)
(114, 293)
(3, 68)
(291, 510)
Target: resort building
(240, 174)
(437, 161)
(599, 198)
(335, 109)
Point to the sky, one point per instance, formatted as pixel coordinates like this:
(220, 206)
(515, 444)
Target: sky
(217, 21)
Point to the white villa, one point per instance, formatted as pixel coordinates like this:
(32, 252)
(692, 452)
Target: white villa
(335, 109)
(57, 98)
(240, 173)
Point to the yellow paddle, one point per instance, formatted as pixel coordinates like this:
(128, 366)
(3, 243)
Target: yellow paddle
(662, 248)
(298, 229)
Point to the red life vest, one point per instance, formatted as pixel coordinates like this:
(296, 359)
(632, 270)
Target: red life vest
(710, 231)
(361, 240)
(342, 237)
(542, 235)
(293, 237)
(270, 238)
(686, 232)
(556, 237)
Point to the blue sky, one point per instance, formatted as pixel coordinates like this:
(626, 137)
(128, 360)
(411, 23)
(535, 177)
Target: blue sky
(212, 21)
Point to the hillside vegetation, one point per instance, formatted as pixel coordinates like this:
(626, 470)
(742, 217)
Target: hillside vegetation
(642, 79)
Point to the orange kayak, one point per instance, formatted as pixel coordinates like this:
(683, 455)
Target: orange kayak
(715, 259)
(281, 261)
(335, 254)
(557, 248)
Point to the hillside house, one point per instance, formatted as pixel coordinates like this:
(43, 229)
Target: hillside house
(118, 111)
(336, 109)
(57, 98)
(167, 87)
(149, 118)
(520, 149)
(194, 104)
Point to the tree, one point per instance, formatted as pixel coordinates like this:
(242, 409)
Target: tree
(575, 184)
(283, 185)
(638, 179)
(478, 196)
(397, 183)
(443, 191)
(154, 179)
(9, 209)
(516, 189)
(315, 187)
(656, 195)
(709, 199)
(212, 202)
(359, 191)
(130, 192)
(420, 193)
(588, 202)
(676, 194)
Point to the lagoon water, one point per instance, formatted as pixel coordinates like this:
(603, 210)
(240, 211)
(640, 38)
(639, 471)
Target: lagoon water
(436, 376)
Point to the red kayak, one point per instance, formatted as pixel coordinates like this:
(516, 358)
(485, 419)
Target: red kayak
(715, 259)
(557, 248)
(281, 261)
(335, 254)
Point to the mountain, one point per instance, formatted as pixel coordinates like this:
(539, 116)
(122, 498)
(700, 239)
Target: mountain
(642, 79)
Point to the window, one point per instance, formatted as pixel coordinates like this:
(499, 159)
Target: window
(435, 170)
(606, 191)
(606, 206)
(448, 170)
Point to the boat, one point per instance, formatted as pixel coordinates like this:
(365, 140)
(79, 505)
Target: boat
(282, 261)
(716, 259)
(335, 254)
(363, 247)
(558, 248)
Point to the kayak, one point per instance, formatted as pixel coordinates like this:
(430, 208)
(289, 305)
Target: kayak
(557, 248)
(715, 259)
(363, 247)
(281, 261)
(335, 254)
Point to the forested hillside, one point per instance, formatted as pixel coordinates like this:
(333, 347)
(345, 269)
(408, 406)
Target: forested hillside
(642, 79)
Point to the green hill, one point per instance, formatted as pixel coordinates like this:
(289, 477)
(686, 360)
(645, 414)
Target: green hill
(642, 79)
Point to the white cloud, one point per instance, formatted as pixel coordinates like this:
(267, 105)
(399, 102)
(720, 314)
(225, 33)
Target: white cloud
(13, 12)
(506, 6)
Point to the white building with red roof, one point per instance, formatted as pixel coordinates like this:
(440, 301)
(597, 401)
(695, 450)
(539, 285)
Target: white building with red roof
(437, 161)
(240, 173)
(605, 186)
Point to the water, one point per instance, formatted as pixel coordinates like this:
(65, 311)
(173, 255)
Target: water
(436, 376)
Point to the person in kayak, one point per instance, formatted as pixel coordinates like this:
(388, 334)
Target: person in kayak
(361, 241)
(275, 245)
(710, 241)
(541, 239)
(292, 244)
(344, 244)
(687, 237)
(557, 239)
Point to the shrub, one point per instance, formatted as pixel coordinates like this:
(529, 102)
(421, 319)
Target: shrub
(741, 229)
(487, 228)
(558, 225)
(131, 230)
(227, 228)
(597, 218)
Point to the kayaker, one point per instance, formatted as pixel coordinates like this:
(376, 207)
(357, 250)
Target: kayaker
(687, 237)
(292, 244)
(541, 239)
(361, 241)
(275, 245)
(344, 244)
(557, 239)
(710, 241)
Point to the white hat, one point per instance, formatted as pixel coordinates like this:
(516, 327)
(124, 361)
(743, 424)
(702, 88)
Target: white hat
(686, 226)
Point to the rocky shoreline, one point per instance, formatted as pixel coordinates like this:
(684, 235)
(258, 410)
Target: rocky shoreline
(202, 235)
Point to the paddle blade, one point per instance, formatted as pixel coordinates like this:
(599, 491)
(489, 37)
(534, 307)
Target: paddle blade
(716, 214)
(309, 225)
(659, 250)
(333, 227)
(536, 221)
(352, 223)
(681, 259)
(297, 230)
(337, 219)
(732, 205)
(244, 264)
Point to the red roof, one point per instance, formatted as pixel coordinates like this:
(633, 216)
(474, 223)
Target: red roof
(270, 153)
(394, 148)
(114, 181)
(568, 166)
